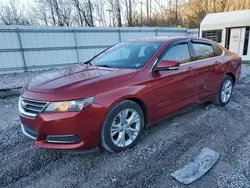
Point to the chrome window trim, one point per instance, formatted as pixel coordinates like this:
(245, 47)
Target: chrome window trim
(152, 67)
(173, 68)
(191, 62)
(199, 60)
(188, 63)
(223, 51)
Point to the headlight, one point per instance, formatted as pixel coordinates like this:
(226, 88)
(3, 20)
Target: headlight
(69, 106)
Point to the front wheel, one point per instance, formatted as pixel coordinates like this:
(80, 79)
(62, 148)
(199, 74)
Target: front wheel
(224, 95)
(123, 126)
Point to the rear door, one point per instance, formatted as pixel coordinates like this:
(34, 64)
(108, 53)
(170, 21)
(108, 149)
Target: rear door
(174, 89)
(208, 66)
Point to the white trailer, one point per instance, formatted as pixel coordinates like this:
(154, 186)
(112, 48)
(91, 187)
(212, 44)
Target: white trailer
(230, 29)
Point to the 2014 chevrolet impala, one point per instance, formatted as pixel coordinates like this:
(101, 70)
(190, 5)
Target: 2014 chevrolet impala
(109, 100)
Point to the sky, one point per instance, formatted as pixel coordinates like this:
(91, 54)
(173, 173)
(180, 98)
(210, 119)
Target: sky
(21, 1)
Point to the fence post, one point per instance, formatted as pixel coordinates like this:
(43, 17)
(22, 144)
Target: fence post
(119, 33)
(76, 45)
(21, 49)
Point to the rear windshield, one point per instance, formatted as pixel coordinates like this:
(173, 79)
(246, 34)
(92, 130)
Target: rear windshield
(127, 55)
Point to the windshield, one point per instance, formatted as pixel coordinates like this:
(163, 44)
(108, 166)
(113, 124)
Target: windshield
(127, 55)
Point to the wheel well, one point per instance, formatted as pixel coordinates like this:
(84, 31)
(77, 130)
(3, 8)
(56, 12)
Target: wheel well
(142, 105)
(232, 76)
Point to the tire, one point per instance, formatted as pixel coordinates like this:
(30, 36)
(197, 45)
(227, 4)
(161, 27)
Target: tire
(219, 99)
(116, 141)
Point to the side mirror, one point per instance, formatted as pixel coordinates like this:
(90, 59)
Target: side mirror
(167, 65)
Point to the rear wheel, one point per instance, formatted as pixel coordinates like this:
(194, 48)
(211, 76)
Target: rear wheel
(123, 126)
(224, 95)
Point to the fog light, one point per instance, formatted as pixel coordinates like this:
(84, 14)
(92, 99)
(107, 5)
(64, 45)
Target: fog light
(63, 139)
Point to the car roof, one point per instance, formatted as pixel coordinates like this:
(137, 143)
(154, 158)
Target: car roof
(168, 39)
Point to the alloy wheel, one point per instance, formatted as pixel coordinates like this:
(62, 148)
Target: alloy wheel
(226, 91)
(125, 127)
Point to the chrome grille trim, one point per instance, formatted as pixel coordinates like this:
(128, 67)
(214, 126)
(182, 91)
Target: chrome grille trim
(31, 108)
(39, 106)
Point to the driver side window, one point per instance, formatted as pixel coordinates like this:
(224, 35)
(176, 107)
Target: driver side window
(178, 53)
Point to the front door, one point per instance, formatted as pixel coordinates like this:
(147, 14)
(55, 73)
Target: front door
(208, 68)
(174, 89)
(235, 40)
(237, 37)
(239, 42)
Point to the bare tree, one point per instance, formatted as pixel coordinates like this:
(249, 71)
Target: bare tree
(130, 19)
(54, 12)
(147, 8)
(222, 5)
(14, 14)
(129, 12)
(118, 13)
(114, 11)
(170, 12)
(176, 12)
(197, 10)
(111, 11)
(240, 4)
(40, 13)
(188, 13)
(100, 15)
(90, 6)
(84, 10)
(79, 12)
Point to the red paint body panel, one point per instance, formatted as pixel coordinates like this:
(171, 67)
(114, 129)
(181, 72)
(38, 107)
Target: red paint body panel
(162, 92)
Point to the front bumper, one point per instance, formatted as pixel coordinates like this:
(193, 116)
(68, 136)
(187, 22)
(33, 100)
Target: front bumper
(29, 132)
(66, 130)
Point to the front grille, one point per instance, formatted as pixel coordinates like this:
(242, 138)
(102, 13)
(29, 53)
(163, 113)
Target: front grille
(31, 108)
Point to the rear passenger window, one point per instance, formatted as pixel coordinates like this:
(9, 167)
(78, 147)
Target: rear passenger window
(178, 53)
(218, 50)
(203, 51)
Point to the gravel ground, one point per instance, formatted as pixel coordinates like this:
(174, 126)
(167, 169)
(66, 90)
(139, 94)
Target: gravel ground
(17, 80)
(163, 149)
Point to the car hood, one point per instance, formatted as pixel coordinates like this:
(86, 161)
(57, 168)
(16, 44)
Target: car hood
(78, 78)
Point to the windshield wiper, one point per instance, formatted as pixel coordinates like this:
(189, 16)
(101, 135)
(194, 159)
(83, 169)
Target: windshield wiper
(87, 63)
(104, 66)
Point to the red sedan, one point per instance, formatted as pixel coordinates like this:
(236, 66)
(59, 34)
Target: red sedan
(109, 100)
